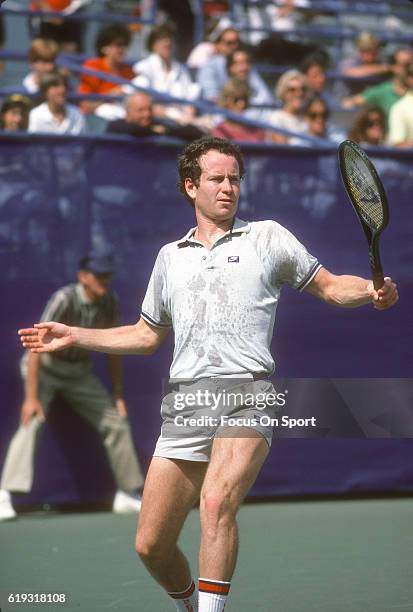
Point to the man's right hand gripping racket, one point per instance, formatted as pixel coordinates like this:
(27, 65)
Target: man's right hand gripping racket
(367, 195)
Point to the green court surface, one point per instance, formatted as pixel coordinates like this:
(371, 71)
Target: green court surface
(323, 556)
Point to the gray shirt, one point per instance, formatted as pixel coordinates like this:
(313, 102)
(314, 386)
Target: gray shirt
(70, 305)
(221, 302)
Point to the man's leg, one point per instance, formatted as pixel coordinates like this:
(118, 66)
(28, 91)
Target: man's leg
(17, 473)
(172, 487)
(89, 398)
(234, 466)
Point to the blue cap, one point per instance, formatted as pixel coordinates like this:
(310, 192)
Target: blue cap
(97, 263)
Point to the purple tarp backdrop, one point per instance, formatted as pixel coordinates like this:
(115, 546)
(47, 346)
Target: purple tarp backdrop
(60, 196)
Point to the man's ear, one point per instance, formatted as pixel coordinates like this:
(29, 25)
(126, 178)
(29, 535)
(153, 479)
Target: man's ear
(81, 275)
(190, 188)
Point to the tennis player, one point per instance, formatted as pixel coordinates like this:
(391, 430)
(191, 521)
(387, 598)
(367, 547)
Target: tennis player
(218, 289)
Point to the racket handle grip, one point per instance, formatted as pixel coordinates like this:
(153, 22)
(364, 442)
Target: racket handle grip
(378, 279)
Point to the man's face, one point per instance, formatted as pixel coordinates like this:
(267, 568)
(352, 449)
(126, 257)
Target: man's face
(402, 59)
(56, 94)
(369, 55)
(41, 66)
(163, 48)
(139, 110)
(241, 66)
(95, 285)
(216, 197)
(315, 78)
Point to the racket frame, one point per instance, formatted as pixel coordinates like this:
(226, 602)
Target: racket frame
(372, 235)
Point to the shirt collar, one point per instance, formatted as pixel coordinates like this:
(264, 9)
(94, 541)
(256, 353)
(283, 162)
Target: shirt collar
(239, 227)
(82, 295)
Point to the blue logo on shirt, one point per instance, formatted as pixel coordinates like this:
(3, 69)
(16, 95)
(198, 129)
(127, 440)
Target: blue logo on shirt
(233, 259)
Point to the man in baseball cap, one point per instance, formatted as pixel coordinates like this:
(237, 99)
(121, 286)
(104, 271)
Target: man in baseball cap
(87, 303)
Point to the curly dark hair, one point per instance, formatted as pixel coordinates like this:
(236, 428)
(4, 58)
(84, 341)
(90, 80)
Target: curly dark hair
(361, 121)
(110, 34)
(158, 32)
(188, 161)
(231, 57)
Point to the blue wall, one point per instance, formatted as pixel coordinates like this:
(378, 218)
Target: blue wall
(59, 196)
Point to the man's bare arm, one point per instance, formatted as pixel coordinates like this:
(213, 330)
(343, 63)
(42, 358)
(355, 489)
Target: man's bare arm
(140, 339)
(352, 101)
(351, 291)
(367, 70)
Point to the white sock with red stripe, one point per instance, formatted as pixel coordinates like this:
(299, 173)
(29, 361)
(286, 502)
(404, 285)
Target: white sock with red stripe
(186, 600)
(212, 595)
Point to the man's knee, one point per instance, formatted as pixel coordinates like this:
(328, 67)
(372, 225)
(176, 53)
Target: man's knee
(217, 509)
(152, 551)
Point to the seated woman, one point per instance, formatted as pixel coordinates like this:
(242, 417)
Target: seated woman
(317, 114)
(14, 113)
(291, 90)
(161, 72)
(369, 126)
(111, 44)
(235, 97)
(239, 67)
(42, 58)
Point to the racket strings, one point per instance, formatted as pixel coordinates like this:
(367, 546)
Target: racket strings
(366, 196)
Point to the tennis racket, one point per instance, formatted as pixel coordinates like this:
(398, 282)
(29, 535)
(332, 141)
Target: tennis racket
(367, 195)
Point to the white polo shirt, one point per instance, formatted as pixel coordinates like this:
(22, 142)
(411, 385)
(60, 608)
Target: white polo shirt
(42, 120)
(401, 120)
(221, 302)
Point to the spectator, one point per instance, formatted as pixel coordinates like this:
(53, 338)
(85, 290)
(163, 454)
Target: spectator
(14, 113)
(365, 64)
(67, 33)
(139, 121)
(111, 44)
(275, 16)
(291, 90)
(389, 92)
(401, 114)
(369, 126)
(317, 114)
(314, 68)
(235, 97)
(88, 303)
(213, 75)
(42, 56)
(54, 115)
(159, 71)
(206, 49)
(239, 68)
(281, 16)
(181, 14)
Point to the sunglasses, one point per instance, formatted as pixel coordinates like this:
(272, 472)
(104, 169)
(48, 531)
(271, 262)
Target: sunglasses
(374, 122)
(294, 88)
(230, 42)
